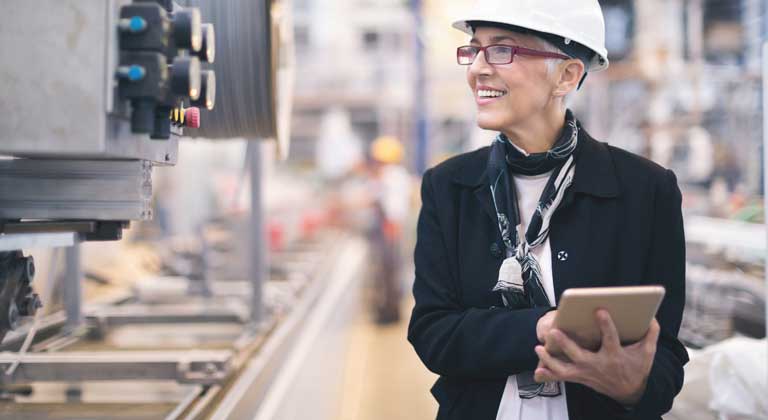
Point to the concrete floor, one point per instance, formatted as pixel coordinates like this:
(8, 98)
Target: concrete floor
(384, 379)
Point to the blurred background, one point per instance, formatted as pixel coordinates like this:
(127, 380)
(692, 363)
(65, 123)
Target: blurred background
(310, 322)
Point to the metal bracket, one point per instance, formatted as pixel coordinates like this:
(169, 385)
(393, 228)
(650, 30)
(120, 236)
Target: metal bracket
(86, 230)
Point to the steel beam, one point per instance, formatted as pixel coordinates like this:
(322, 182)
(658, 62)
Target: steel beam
(167, 314)
(199, 367)
(72, 289)
(19, 241)
(258, 255)
(77, 189)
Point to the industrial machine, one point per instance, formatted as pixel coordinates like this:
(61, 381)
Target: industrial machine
(97, 93)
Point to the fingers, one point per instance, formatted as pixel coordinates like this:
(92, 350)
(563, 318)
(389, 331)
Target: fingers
(542, 374)
(560, 369)
(653, 331)
(569, 347)
(544, 325)
(652, 337)
(610, 341)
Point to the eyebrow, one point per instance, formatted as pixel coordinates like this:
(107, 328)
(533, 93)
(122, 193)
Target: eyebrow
(495, 39)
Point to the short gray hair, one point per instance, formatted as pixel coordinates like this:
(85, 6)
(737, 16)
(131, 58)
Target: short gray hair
(552, 63)
(550, 47)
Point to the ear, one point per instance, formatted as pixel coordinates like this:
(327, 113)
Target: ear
(569, 76)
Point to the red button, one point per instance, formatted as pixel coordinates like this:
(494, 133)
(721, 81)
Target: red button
(192, 117)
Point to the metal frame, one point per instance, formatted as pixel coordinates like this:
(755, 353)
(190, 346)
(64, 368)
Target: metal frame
(72, 290)
(246, 396)
(75, 189)
(164, 314)
(14, 241)
(258, 255)
(197, 367)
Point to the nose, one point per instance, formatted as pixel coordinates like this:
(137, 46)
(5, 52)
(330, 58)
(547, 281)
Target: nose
(480, 67)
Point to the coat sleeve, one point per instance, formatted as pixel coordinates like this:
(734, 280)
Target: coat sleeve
(451, 339)
(666, 266)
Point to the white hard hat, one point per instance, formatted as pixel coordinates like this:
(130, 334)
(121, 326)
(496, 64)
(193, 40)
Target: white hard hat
(573, 20)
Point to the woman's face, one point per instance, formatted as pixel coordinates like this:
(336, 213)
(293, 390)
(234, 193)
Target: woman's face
(525, 84)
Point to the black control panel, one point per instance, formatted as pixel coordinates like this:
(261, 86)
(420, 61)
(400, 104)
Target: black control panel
(164, 51)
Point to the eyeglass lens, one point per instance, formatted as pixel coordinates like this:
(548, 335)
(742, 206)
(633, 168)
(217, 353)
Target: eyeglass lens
(496, 54)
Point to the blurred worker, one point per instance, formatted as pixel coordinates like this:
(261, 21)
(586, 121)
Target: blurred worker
(390, 190)
(338, 149)
(505, 229)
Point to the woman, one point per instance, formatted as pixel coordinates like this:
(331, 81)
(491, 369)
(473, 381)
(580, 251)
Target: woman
(505, 229)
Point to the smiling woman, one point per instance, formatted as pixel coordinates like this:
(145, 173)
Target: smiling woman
(533, 96)
(544, 187)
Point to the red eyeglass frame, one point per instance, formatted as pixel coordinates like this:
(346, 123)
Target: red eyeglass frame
(515, 51)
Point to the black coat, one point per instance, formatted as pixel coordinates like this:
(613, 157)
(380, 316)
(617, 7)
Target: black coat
(620, 223)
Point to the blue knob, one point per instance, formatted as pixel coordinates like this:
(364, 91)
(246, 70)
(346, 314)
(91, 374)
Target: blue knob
(136, 73)
(137, 24)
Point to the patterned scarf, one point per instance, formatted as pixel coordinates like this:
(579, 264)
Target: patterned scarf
(520, 275)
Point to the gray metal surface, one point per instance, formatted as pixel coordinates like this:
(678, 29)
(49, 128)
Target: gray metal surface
(201, 367)
(18, 241)
(163, 314)
(57, 84)
(72, 289)
(261, 388)
(76, 189)
(257, 239)
(185, 403)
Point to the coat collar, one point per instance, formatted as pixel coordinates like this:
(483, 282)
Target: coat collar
(595, 174)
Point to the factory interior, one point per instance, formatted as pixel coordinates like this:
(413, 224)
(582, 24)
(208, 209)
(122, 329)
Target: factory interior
(209, 209)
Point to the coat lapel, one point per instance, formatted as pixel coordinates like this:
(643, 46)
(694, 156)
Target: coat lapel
(483, 195)
(585, 224)
(475, 176)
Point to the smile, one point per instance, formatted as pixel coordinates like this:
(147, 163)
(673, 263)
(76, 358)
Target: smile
(489, 93)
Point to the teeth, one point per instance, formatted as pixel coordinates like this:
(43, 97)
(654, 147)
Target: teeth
(490, 93)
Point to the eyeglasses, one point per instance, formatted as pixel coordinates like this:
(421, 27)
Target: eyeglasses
(499, 54)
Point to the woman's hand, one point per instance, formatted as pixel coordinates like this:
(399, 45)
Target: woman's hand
(544, 326)
(615, 371)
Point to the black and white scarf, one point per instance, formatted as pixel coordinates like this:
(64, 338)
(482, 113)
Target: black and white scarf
(520, 275)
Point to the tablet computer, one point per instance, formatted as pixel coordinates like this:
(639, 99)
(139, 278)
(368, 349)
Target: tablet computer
(632, 309)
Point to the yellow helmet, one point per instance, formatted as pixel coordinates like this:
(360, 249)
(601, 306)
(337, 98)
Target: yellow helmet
(387, 149)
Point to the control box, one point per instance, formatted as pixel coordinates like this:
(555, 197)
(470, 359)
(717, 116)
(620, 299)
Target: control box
(101, 79)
